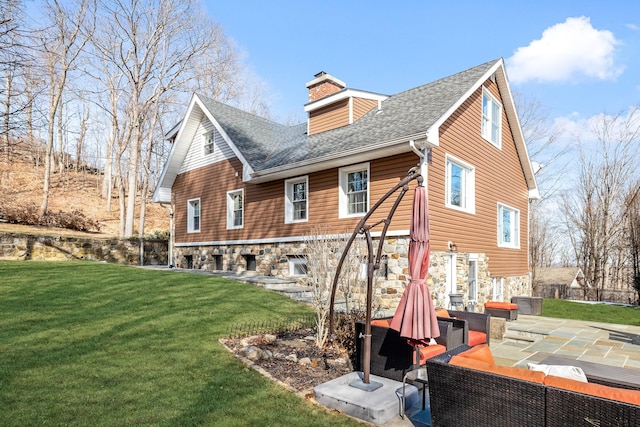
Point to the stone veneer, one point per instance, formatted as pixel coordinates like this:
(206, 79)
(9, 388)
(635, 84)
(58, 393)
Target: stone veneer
(273, 260)
(59, 248)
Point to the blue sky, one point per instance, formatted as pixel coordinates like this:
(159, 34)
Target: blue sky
(578, 58)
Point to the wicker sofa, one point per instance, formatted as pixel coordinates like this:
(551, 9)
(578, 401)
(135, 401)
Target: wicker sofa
(392, 356)
(464, 396)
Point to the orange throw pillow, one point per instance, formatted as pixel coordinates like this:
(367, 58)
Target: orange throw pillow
(476, 338)
(621, 395)
(480, 352)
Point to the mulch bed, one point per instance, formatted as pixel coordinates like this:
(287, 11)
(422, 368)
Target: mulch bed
(293, 358)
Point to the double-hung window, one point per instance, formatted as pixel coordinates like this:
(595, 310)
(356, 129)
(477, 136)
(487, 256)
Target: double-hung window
(491, 119)
(460, 185)
(235, 209)
(508, 226)
(296, 199)
(354, 190)
(209, 142)
(193, 215)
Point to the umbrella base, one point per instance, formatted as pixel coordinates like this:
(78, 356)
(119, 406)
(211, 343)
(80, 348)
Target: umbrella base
(359, 383)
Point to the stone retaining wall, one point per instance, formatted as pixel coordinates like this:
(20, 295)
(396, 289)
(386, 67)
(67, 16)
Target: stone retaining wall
(30, 247)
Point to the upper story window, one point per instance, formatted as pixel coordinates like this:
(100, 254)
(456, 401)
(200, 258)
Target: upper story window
(209, 142)
(508, 226)
(296, 199)
(460, 185)
(193, 216)
(491, 119)
(354, 190)
(235, 209)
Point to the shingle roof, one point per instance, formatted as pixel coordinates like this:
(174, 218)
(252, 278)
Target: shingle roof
(266, 144)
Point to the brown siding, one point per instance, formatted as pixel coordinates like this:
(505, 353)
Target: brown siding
(264, 203)
(329, 117)
(362, 106)
(498, 178)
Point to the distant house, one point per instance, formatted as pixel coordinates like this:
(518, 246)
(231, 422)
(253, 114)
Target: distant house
(246, 190)
(562, 282)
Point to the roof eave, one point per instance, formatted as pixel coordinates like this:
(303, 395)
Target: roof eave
(369, 152)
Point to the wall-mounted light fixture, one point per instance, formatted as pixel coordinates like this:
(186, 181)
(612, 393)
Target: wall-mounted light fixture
(453, 247)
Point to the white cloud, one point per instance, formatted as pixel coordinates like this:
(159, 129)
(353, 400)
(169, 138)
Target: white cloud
(566, 52)
(633, 27)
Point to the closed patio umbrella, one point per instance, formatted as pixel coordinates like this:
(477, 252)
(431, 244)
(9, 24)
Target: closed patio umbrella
(415, 317)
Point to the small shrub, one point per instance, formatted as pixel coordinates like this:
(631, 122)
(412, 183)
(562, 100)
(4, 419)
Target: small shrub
(28, 214)
(345, 330)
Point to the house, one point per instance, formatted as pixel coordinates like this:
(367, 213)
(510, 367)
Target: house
(562, 282)
(245, 190)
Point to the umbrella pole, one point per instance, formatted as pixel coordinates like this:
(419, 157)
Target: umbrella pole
(365, 383)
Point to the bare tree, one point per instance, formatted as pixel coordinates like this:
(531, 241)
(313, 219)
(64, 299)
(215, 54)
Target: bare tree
(62, 42)
(548, 157)
(595, 211)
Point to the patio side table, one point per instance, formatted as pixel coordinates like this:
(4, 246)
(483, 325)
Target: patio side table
(418, 375)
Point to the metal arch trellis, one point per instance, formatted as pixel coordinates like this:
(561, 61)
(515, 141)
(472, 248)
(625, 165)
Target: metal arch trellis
(373, 264)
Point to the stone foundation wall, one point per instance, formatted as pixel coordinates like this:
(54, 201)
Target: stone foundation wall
(29, 247)
(273, 260)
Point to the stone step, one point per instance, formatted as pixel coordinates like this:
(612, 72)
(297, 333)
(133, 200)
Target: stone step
(516, 337)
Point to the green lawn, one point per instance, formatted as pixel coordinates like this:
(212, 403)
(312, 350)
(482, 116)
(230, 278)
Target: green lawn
(563, 309)
(95, 344)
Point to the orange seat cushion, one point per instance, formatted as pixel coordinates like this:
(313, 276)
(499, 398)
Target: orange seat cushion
(507, 371)
(442, 312)
(502, 305)
(619, 394)
(429, 351)
(476, 338)
(381, 322)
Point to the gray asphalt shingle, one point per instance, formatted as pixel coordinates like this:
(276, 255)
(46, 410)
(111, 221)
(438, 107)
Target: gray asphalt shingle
(266, 144)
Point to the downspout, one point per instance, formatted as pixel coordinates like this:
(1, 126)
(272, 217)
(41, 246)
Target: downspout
(170, 248)
(423, 161)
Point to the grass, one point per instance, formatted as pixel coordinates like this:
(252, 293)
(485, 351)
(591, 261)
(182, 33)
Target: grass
(604, 313)
(108, 345)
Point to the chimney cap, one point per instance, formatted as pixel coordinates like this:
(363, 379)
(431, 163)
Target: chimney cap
(324, 76)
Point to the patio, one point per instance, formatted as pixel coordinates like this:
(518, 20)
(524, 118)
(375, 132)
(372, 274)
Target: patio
(531, 339)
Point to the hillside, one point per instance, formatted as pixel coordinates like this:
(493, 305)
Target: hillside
(21, 183)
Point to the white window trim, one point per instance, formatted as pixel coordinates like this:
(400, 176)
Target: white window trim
(343, 200)
(469, 190)
(473, 297)
(288, 199)
(295, 261)
(205, 143)
(515, 227)
(190, 227)
(485, 135)
(230, 218)
(498, 289)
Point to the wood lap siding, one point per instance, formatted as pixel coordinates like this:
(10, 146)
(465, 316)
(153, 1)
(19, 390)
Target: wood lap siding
(498, 178)
(330, 117)
(264, 203)
(362, 106)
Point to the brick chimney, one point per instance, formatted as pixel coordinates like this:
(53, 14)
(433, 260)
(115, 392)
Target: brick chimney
(322, 85)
